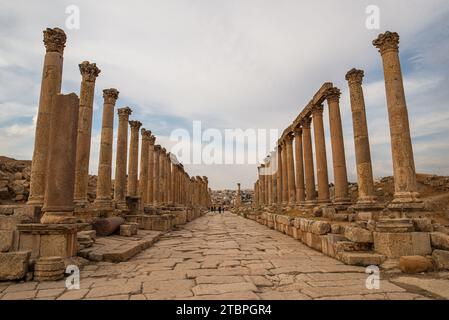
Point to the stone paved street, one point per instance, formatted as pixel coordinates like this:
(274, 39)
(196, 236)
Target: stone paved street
(220, 257)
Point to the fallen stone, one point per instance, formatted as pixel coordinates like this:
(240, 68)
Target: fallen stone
(106, 226)
(415, 264)
(128, 230)
(14, 265)
(361, 258)
(441, 258)
(357, 234)
(439, 240)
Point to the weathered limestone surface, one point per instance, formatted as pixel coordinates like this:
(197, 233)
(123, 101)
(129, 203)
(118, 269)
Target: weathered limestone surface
(133, 159)
(221, 257)
(89, 72)
(308, 162)
(121, 158)
(58, 201)
(401, 143)
(104, 181)
(320, 154)
(54, 40)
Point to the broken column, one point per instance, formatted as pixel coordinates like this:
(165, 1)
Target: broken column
(406, 193)
(121, 158)
(133, 159)
(59, 188)
(238, 197)
(341, 198)
(89, 72)
(103, 200)
(54, 40)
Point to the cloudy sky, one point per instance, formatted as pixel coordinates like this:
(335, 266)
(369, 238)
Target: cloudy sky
(231, 64)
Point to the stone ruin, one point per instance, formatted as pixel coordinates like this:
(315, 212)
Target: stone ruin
(59, 222)
(400, 233)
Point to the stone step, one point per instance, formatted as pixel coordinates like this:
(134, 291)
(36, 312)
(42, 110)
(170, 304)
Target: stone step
(361, 258)
(118, 248)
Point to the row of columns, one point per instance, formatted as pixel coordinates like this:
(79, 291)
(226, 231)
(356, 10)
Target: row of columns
(294, 179)
(63, 143)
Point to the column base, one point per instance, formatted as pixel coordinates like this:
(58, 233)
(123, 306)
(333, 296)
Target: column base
(58, 218)
(36, 201)
(121, 205)
(367, 211)
(103, 204)
(81, 202)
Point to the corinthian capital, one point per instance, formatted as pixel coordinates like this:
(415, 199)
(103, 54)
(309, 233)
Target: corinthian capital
(305, 122)
(333, 94)
(110, 95)
(387, 41)
(152, 140)
(54, 40)
(124, 112)
(355, 76)
(317, 110)
(135, 124)
(89, 71)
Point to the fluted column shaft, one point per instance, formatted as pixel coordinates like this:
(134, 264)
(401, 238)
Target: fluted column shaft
(156, 180)
(89, 72)
(284, 174)
(54, 40)
(162, 176)
(121, 158)
(300, 190)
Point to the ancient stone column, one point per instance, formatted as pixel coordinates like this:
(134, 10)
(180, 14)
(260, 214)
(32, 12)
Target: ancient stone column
(89, 72)
(320, 154)
(58, 201)
(290, 170)
(54, 40)
(300, 191)
(162, 176)
(150, 178)
(262, 180)
(279, 175)
(238, 197)
(401, 143)
(104, 182)
(338, 147)
(133, 159)
(256, 191)
(308, 162)
(268, 181)
(156, 180)
(273, 178)
(284, 174)
(169, 180)
(366, 192)
(121, 158)
(143, 175)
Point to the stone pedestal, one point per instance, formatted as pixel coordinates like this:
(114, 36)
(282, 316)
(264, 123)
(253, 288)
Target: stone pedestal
(54, 40)
(47, 240)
